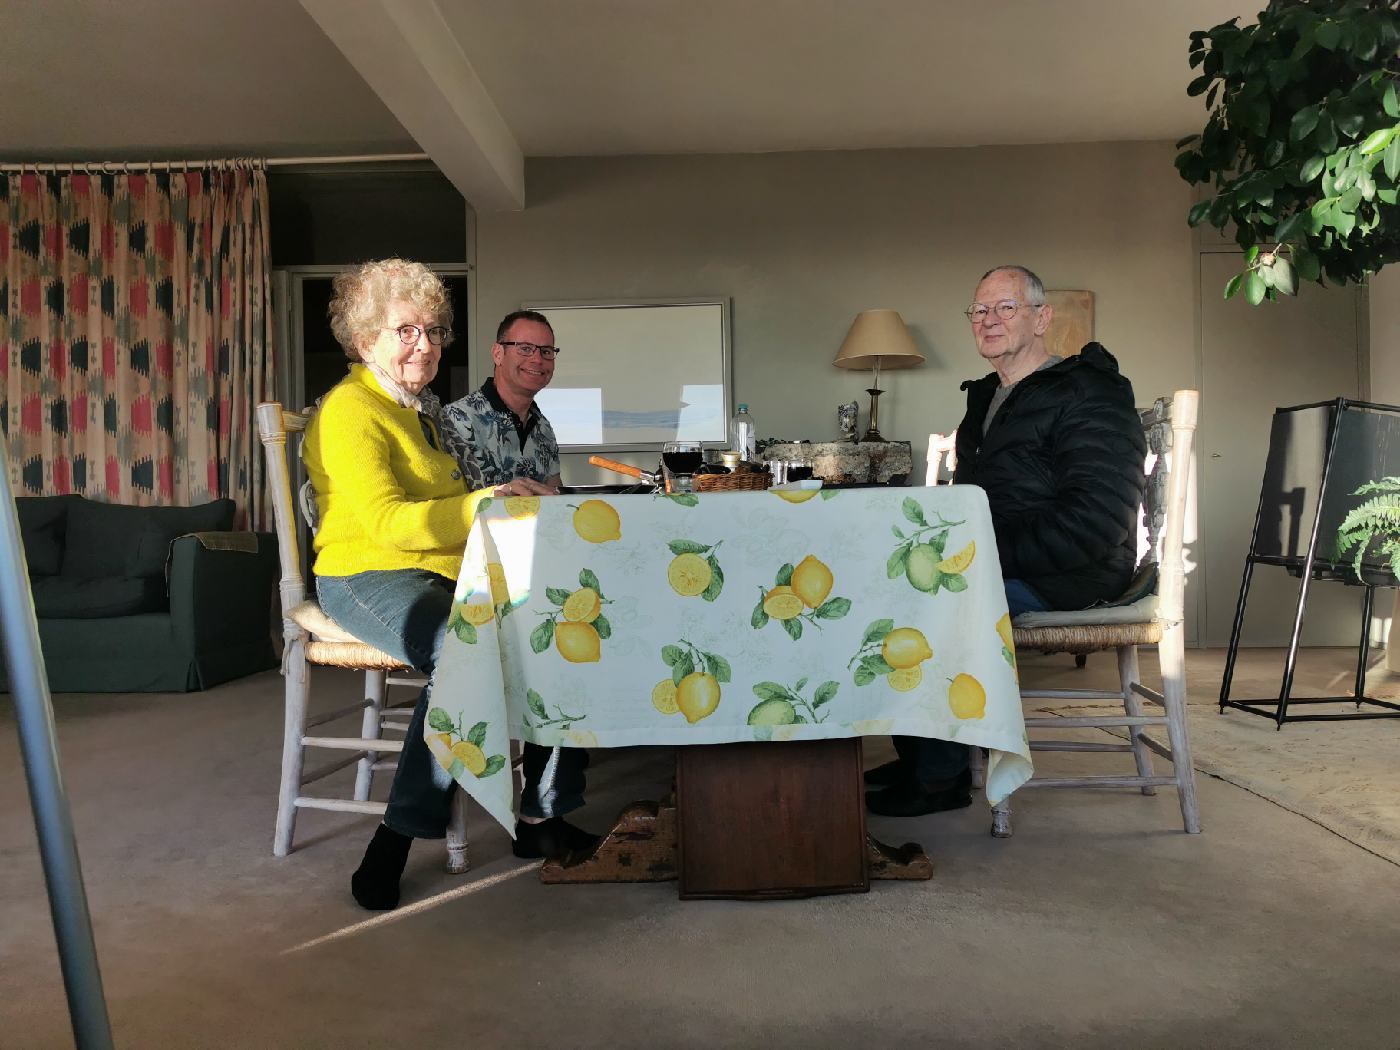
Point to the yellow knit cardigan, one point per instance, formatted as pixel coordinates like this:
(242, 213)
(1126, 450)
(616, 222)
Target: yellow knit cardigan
(387, 499)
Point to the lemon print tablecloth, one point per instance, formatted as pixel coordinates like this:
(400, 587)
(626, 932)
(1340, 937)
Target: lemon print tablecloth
(723, 617)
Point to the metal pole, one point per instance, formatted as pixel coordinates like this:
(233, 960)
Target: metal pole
(87, 1008)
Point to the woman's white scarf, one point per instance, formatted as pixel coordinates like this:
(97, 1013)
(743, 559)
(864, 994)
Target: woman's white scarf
(425, 401)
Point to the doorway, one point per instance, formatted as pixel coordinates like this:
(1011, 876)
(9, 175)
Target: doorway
(1254, 359)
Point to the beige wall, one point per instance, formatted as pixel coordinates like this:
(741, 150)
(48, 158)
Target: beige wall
(802, 242)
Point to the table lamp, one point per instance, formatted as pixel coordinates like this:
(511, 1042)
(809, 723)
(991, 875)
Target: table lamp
(877, 339)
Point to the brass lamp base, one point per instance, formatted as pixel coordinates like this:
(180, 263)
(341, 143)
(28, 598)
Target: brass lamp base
(872, 432)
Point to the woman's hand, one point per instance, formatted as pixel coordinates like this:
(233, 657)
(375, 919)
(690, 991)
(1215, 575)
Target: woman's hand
(525, 487)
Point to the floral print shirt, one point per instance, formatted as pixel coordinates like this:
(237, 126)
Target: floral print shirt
(493, 444)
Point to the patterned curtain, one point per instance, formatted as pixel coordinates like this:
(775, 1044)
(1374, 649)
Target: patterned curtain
(136, 335)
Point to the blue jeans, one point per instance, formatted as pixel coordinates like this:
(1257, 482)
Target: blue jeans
(404, 612)
(930, 762)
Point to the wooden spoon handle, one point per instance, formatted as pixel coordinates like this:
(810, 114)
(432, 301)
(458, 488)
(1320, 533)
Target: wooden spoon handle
(620, 468)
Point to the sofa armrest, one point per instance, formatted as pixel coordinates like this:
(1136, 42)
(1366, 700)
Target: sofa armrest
(222, 595)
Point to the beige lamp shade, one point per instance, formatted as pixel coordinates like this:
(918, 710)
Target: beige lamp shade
(878, 338)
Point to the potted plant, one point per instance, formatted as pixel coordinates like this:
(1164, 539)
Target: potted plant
(1302, 143)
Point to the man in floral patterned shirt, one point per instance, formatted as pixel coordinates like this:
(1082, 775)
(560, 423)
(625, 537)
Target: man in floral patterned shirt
(498, 432)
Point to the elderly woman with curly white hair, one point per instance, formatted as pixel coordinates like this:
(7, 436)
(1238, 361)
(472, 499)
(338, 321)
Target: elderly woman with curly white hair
(395, 509)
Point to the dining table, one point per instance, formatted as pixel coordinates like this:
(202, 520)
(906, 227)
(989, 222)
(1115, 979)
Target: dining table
(724, 618)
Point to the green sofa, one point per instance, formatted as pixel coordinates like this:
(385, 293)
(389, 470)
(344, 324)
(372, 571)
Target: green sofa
(147, 599)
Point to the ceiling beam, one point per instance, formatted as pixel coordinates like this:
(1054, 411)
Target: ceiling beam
(410, 59)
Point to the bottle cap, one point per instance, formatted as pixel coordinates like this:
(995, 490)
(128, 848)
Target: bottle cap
(743, 406)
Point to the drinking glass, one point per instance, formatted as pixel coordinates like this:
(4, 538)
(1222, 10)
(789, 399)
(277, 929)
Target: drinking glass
(680, 460)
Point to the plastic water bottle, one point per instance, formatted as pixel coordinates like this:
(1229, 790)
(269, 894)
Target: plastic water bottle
(743, 439)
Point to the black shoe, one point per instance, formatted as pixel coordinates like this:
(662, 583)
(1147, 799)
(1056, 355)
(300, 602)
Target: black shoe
(375, 883)
(551, 839)
(909, 799)
(890, 773)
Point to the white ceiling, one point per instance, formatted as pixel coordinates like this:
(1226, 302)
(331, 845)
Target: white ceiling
(92, 79)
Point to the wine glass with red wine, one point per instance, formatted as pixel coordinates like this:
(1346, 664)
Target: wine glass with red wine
(681, 459)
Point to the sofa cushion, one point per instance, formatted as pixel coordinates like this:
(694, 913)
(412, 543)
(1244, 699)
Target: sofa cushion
(77, 598)
(43, 522)
(108, 539)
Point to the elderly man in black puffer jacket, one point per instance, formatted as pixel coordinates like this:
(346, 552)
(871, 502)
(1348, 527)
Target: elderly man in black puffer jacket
(1059, 449)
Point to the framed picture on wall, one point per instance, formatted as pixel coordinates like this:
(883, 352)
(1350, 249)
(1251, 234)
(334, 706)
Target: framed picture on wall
(632, 374)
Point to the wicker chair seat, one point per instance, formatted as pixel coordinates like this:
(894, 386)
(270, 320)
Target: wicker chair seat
(1083, 638)
(332, 646)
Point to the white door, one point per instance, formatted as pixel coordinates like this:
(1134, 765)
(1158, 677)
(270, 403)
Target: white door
(1255, 359)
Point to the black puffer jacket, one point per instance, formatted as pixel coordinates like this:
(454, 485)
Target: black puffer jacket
(1062, 468)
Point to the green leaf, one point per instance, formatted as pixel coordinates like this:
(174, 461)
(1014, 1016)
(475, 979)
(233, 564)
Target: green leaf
(456, 770)
(718, 666)
(833, 608)
(875, 664)
(955, 582)
(477, 734)
(1291, 226)
(711, 592)
(913, 511)
(1377, 141)
(687, 547)
(1198, 86)
(1328, 35)
(863, 676)
(601, 625)
(541, 636)
(556, 594)
(1233, 285)
(1391, 161)
(536, 703)
(465, 632)
(784, 576)
(876, 632)
(1350, 123)
(897, 533)
(440, 720)
(1198, 211)
(769, 691)
(480, 507)
(759, 618)
(682, 667)
(829, 494)
(685, 499)
(825, 692)
(587, 579)
(895, 566)
(671, 653)
(494, 765)
(1312, 167)
(1324, 136)
(1284, 279)
(1251, 255)
(800, 683)
(1390, 102)
(1302, 123)
(793, 628)
(1254, 288)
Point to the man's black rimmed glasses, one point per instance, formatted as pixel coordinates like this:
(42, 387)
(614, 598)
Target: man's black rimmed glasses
(549, 353)
(410, 333)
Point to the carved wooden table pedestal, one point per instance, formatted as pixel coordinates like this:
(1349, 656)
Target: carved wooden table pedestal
(751, 821)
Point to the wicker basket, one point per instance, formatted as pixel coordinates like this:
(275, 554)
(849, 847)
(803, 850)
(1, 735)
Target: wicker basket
(754, 481)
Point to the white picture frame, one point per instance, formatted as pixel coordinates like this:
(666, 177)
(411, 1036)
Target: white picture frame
(634, 373)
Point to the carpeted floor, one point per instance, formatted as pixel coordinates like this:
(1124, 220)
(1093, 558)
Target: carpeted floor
(1098, 925)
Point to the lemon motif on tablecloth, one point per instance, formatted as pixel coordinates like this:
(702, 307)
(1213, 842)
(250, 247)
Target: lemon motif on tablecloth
(696, 675)
(966, 697)
(689, 575)
(895, 653)
(597, 521)
(663, 697)
(523, 506)
(577, 642)
(799, 594)
(583, 606)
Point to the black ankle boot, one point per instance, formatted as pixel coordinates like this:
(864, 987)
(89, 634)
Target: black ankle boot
(375, 883)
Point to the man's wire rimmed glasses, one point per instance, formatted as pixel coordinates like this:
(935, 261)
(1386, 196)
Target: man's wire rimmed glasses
(1005, 310)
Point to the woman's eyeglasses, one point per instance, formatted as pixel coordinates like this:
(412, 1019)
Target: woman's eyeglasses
(409, 334)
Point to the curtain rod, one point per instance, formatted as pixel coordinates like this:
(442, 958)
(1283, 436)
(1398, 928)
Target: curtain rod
(115, 166)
